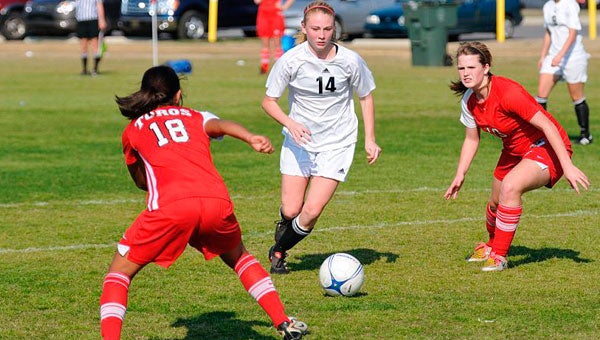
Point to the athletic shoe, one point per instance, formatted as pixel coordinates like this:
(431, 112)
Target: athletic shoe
(264, 68)
(292, 330)
(278, 264)
(481, 253)
(583, 140)
(495, 263)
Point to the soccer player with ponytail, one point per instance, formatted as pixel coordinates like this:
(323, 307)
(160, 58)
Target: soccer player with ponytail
(536, 149)
(167, 152)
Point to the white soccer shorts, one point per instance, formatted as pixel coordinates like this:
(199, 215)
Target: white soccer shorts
(573, 71)
(334, 164)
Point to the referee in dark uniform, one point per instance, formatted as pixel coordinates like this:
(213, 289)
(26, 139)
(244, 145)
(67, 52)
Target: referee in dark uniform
(90, 22)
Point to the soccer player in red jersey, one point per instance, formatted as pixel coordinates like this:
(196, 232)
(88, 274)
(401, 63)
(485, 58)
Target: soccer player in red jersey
(269, 28)
(536, 149)
(167, 152)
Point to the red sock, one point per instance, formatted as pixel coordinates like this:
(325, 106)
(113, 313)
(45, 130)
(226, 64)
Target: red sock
(113, 304)
(265, 57)
(257, 282)
(490, 223)
(507, 220)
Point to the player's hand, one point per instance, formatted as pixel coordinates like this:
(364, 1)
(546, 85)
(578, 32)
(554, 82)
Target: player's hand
(453, 189)
(556, 61)
(373, 152)
(299, 132)
(576, 177)
(261, 144)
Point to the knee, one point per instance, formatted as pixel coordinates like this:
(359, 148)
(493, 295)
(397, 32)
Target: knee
(290, 211)
(509, 192)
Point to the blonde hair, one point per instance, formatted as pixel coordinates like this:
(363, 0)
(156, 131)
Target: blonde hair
(316, 6)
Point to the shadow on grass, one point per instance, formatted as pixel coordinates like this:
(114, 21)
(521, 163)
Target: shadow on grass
(543, 254)
(365, 256)
(221, 325)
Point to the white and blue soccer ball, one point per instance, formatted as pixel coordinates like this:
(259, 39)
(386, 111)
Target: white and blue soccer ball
(341, 274)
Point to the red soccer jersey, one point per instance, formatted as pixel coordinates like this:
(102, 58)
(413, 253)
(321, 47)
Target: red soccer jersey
(175, 150)
(506, 113)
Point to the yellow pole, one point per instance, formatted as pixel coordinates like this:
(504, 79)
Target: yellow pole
(213, 8)
(500, 17)
(592, 16)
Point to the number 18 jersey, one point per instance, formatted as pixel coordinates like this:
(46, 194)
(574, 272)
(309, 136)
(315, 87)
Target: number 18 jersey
(321, 93)
(175, 149)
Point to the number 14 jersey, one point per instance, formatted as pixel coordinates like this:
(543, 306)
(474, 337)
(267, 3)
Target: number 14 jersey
(321, 93)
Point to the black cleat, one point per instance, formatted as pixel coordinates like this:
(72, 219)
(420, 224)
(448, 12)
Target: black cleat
(293, 330)
(278, 264)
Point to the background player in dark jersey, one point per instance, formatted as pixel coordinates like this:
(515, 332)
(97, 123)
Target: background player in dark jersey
(167, 152)
(536, 149)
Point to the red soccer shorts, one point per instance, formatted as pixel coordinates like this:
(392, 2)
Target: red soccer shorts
(269, 24)
(542, 154)
(160, 236)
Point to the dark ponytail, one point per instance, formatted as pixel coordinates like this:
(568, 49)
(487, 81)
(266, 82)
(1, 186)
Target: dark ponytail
(159, 86)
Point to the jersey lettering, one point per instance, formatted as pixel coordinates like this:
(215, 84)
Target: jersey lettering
(495, 132)
(176, 131)
(330, 86)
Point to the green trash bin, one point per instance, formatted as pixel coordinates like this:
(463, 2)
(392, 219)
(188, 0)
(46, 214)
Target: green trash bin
(428, 22)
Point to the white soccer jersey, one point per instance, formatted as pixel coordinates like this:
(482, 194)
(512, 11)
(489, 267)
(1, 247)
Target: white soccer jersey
(321, 93)
(559, 17)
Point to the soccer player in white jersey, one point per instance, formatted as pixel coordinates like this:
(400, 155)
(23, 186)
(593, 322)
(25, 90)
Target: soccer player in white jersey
(563, 57)
(320, 132)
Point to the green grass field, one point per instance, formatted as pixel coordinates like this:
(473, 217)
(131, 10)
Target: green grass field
(66, 198)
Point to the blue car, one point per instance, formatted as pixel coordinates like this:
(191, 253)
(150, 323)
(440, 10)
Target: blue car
(473, 16)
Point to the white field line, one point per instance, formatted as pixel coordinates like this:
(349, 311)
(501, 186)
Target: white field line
(254, 197)
(578, 213)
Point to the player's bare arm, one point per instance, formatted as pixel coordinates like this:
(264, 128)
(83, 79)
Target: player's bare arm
(368, 112)
(299, 132)
(467, 154)
(572, 174)
(138, 174)
(219, 127)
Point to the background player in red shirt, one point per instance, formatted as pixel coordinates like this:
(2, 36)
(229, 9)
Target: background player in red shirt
(269, 28)
(536, 149)
(167, 152)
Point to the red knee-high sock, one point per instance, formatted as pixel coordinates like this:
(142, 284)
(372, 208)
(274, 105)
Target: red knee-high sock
(265, 57)
(507, 220)
(490, 223)
(257, 282)
(113, 304)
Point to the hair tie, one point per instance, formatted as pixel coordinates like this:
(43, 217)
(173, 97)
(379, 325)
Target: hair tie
(322, 7)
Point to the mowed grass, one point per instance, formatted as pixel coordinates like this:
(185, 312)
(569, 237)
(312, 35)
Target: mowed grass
(66, 198)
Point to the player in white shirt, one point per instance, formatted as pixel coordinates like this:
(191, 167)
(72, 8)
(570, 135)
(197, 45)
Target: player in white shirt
(563, 57)
(320, 132)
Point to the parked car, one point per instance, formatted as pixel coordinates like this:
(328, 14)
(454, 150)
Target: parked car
(472, 16)
(349, 15)
(57, 17)
(187, 19)
(12, 22)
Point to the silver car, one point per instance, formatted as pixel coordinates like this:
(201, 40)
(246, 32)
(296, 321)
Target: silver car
(349, 15)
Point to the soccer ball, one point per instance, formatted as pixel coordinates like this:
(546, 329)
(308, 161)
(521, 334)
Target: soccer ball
(341, 274)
